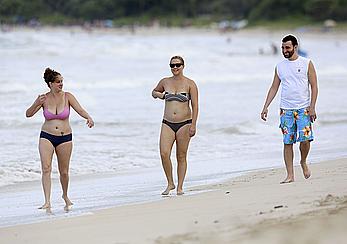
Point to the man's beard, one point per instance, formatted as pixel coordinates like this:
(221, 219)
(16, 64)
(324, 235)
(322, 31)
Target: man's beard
(288, 54)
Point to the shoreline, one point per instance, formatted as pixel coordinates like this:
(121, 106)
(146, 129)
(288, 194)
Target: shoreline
(245, 208)
(160, 30)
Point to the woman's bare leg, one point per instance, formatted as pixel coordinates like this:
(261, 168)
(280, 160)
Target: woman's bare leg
(46, 150)
(182, 143)
(167, 138)
(63, 152)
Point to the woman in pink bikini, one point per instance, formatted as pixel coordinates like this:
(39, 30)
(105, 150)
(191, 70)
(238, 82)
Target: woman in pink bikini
(56, 133)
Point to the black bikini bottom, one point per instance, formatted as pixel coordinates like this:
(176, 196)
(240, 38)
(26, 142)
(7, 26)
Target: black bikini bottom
(176, 126)
(56, 140)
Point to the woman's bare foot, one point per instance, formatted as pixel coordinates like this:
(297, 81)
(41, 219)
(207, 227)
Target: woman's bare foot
(67, 200)
(305, 170)
(287, 180)
(180, 192)
(45, 206)
(67, 208)
(168, 189)
(68, 203)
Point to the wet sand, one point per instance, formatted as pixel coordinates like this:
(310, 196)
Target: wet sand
(253, 208)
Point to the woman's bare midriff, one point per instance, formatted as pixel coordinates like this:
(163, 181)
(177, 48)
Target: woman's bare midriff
(57, 127)
(177, 111)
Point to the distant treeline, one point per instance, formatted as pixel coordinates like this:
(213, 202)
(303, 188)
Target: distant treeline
(89, 10)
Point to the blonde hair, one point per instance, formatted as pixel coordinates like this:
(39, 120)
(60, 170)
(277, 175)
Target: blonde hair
(177, 57)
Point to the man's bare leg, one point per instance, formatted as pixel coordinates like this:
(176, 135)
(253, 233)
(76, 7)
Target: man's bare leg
(288, 154)
(304, 150)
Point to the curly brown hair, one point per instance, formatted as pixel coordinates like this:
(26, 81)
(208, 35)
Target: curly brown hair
(50, 75)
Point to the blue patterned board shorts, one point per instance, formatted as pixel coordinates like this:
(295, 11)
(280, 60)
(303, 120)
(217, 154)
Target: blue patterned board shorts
(294, 121)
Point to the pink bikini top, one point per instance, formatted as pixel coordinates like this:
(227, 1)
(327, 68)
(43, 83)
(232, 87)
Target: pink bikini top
(62, 115)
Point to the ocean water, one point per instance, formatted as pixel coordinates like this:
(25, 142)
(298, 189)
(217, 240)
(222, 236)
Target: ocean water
(112, 75)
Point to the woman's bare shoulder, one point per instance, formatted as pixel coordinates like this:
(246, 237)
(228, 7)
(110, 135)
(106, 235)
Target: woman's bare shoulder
(165, 79)
(68, 94)
(190, 81)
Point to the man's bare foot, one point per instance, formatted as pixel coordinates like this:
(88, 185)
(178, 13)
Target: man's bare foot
(305, 170)
(180, 192)
(287, 180)
(45, 206)
(168, 189)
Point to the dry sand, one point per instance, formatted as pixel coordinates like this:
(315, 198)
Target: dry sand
(253, 208)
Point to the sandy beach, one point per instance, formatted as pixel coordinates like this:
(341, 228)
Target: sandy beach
(253, 208)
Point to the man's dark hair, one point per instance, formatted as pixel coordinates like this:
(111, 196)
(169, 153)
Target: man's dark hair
(290, 38)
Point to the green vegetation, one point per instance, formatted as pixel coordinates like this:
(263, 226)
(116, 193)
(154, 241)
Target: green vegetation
(288, 22)
(171, 12)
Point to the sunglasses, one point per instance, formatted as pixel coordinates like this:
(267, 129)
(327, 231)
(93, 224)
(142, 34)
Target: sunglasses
(175, 65)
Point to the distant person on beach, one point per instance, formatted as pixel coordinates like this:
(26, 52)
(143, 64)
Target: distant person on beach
(179, 122)
(274, 48)
(296, 75)
(56, 133)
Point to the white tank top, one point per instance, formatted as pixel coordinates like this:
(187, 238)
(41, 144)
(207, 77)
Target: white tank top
(295, 92)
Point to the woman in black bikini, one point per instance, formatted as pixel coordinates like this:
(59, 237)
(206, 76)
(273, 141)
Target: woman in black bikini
(179, 122)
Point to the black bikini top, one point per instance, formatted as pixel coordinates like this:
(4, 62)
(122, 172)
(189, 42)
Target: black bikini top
(179, 97)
